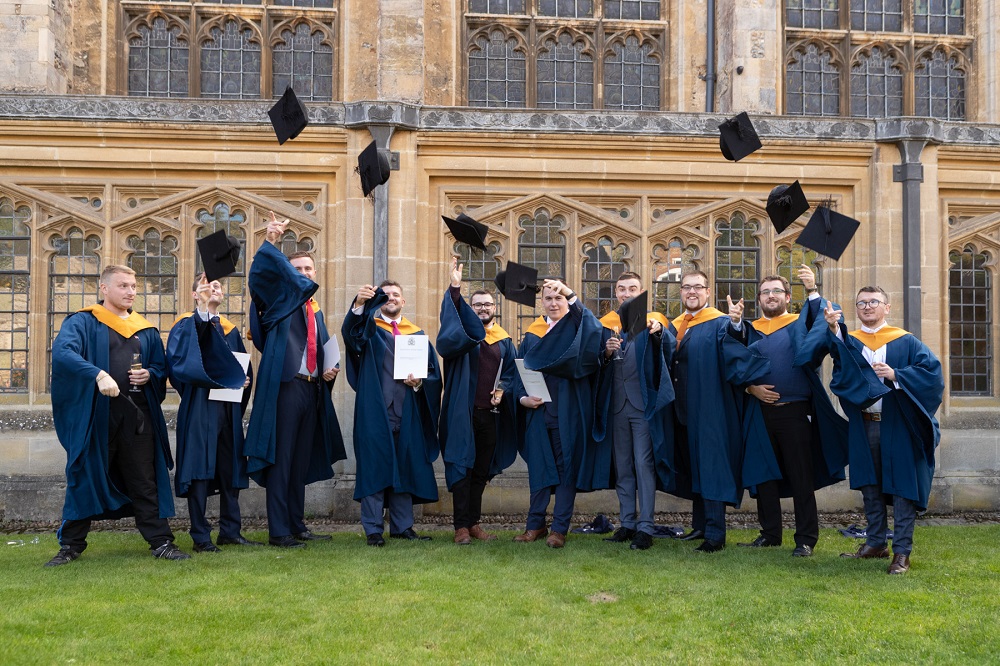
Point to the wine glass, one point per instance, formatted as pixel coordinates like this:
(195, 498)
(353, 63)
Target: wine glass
(618, 352)
(136, 365)
(498, 393)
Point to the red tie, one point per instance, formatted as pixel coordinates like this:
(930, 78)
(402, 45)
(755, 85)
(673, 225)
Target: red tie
(310, 338)
(395, 329)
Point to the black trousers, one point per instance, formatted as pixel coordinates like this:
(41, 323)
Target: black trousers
(467, 494)
(229, 497)
(791, 437)
(131, 463)
(298, 407)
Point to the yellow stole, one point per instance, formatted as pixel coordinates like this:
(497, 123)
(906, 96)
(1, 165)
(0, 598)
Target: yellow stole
(227, 325)
(880, 338)
(769, 326)
(706, 314)
(125, 327)
(496, 334)
(405, 327)
(613, 322)
(539, 327)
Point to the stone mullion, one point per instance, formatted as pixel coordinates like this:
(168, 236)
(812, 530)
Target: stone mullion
(194, 54)
(599, 47)
(531, 66)
(266, 61)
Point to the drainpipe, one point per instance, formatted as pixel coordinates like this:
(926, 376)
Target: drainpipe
(910, 172)
(710, 59)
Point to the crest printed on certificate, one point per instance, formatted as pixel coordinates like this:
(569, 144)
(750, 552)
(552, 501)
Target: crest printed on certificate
(411, 357)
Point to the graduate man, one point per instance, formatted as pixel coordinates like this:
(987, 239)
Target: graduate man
(710, 371)
(555, 437)
(796, 442)
(478, 438)
(210, 456)
(892, 440)
(633, 396)
(107, 416)
(294, 436)
(395, 420)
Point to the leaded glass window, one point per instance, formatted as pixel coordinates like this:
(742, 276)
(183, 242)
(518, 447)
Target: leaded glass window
(230, 62)
(737, 263)
(542, 246)
(478, 270)
(566, 8)
(943, 17)
(323, 4)
(74, 278)
(816, 14)
(604, 263)
(303, 61)
(970, 322)
(155, 264)
(632, 76)
(233, 223)
(877, 15)
(940, 86)
(671, 262)
(158, 61)
(876, 85)
(497, 71)
(644, 10)
(790, 260)
(813, 82)
(565, 73)
(496, 6)
(289, 244)
(15, 281)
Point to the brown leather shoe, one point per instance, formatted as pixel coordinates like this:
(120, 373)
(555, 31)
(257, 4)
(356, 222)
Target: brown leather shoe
(866, 552)
(477, 532)
(900, 564)
(462, 537)
(556, 540)
(531, 535)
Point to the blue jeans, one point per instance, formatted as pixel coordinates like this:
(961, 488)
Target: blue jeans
(904, 511)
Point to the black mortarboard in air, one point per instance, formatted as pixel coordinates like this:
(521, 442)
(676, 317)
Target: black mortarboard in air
(828, 232)
(633, 313)
(373, 167)
(468, 231)
(288, 116)
(738, 138)
(784, 205)
(219, 255)
(518, 283)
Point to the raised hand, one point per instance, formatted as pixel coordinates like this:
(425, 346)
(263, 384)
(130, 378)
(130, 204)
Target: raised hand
(807, 277)
(832, 316)
(735, 310)
(366, 292)
(558, 286)
(203, 292)
(275, 229)
(456, 272)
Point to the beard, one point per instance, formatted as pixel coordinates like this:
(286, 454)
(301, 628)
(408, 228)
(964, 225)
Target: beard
(773, 311)
(486, 319)
(391, 311)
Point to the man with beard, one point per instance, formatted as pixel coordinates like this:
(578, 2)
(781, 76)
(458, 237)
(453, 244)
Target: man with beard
(477, 424)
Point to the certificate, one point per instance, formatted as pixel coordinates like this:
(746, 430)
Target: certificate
(331, 353)
(231, 395)
(411, 357)
(533, 382)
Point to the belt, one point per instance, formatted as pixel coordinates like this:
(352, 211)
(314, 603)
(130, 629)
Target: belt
(872, 416)
(307, 378)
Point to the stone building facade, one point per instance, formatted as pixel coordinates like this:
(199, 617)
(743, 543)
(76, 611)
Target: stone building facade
(583, 132)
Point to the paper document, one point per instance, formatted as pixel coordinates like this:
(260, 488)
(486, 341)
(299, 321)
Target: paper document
(231, 395)
(411, 357)
(496, 382)
(533, 382)
(331, 353)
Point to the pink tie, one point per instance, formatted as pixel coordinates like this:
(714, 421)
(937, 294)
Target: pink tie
(395, 329)
(310, 338)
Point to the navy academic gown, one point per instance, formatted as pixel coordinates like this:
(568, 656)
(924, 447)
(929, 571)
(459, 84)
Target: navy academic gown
(567, 355)
(278, 291)
(717, 369)
(80, 413)
(405, 466)
(653, 355)
(199, 358)
(829, 429)
(458, 341)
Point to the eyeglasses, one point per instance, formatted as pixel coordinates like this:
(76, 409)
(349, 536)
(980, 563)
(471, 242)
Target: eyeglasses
(872, 304)
(482, 306)
(693, 287)
(776, 292)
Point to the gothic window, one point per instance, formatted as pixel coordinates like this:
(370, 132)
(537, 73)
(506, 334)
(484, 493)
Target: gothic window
(940, 86)
(74, 278)
(496, 6)
(323, 4)
(944, 17)
(541, 245)
(970, 322)
(566, 8)
(289, 244)
(789, 262)
(158, 61)
(876, 85)
(604, 263)
(15, 260)
(231, 221)
(817, 14)
(813, 82)
(479, 269)
(646, 10)
(670, 263)
(877, 15)
(497, 71)
(565, 73)
(155, 264)
(230, 62)
(631, 76)
(737, 263)
(303, 59)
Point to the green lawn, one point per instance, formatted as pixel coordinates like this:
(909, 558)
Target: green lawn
(502, 602)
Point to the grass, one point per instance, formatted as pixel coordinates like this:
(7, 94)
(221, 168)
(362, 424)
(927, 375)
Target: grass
(432, 602)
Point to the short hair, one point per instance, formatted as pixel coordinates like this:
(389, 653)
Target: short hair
(302, 254)
(695, 271)
(874, 290)
(390, 283)
(772, 278)
(628, 275)
(111, 269)
(482, 292)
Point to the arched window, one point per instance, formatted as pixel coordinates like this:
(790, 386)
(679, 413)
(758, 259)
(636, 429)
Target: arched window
(939, 86)
(290, 244)
(565, 73)
(74, 279)
(737, 263)
(970, 323)
(303, 61)
(631, 76)
(671, 262)
(230, 62)
(541, 245)
(155, 265)
(15, 281)
(816, 14)
(789, 262)
(158, 61)
(497, 71)
(813, 82)
(479, 269)
(604, 263)
(876, 85)
(877, 15)
(233, 222)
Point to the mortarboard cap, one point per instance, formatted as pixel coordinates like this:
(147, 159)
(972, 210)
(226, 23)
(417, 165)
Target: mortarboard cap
(633, 313)
(784, 205)
(288, 117)
(468, 231)
(738, 138)
(828, 232)
(219, 255)
(518, 283)
(373, 167)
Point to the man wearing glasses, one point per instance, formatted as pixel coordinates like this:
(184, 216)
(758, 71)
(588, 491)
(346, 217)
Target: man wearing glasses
(892, 440)
(476, 428)
(710, 370)
(796, 441)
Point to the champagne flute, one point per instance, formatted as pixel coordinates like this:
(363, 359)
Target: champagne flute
(498, 394)
(618, 352)
(136, 365)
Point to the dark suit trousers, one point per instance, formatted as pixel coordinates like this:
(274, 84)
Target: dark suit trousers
(791, 437)
(229, 497)
(467, 494)
(298, 409)
(565, 492)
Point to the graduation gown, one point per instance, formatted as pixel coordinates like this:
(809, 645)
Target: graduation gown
(710, 372)
(405, 466)
(458, 342)
(653, 357)
(81, 412)
(277, 291)
(568, 354)
(199, 358)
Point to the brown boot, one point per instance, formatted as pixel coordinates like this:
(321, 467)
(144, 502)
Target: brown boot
(462, 537)
(531, 535)
(477, 532)
(556, 540)
(900, 564)
(866, 552)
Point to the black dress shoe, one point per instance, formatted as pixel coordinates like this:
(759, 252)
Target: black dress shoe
(310, 536)
(409, 535)
(237, 541)
(710, 546)
(64, 556)
(169, 551)
(802, 551)
(692, 535)
(641, 541)
(621, 535)
(376, 540)
(761, 542)
(285, 542)
(206, 547)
